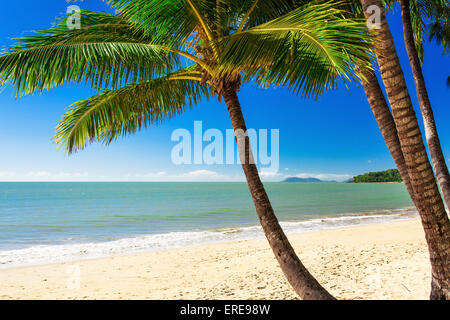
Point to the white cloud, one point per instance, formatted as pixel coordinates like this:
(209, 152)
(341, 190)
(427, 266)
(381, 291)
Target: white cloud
(195, 175)
(44, 176)
(161, 176)
(325, 176)
(200, 173)
(6, 175)
(148, 175)
(271, 176)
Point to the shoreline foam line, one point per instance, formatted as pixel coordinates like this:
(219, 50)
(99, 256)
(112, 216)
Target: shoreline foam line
(48, 254)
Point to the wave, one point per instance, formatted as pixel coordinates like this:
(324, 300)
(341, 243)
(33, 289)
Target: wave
(46, 254)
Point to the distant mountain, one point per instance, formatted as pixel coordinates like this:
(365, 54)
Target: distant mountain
(296, 179)
(391, 175)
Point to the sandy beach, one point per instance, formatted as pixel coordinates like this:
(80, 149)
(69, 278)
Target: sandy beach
(379, 261)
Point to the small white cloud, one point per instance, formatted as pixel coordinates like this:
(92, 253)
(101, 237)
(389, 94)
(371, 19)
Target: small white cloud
(7, 174)
(44, 176)
(200, 173)
(38, 174)
(325, 176)
(151, 175)
(68, 176)
(271, 176)
(194, 176)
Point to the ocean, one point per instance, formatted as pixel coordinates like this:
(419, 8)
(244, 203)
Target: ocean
(61, 221)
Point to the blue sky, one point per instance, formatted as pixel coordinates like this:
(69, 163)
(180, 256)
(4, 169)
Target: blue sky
(334, 137)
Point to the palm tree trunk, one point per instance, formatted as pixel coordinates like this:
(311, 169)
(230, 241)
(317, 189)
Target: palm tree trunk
(432, 212)
(298, 276)
(434, 145)
(385, 121)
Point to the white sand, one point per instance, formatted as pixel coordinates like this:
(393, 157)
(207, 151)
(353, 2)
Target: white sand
(380, 261)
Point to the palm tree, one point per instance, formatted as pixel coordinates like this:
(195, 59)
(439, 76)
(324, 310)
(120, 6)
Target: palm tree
(386, 123)
(431, 208)
(431, 134)
(382, 113)
(158, 57)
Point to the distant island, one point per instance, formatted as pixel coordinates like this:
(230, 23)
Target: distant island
(296, 179)
(391, 175)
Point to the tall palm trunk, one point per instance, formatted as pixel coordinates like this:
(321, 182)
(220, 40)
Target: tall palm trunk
(434, 218)
(385, 121)
(298, 276)
(434, 145)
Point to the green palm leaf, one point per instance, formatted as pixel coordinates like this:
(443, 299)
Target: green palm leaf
(96, 27)
(116, 113)
(160, 18)
(428, 18)
(309, 48)
(284, 42)
(439, 28)
(108, 51)
(257, 12)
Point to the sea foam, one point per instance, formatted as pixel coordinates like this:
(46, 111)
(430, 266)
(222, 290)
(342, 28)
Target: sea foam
(46, 254)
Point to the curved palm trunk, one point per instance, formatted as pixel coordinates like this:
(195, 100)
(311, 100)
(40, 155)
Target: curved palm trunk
(298, 276)
(432, 212)
(385, 121)
(434, 145)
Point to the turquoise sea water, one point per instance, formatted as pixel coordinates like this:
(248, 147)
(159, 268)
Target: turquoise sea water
(45, 222)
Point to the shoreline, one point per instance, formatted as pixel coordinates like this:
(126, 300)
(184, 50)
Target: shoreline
(376, 261)
(58, 253)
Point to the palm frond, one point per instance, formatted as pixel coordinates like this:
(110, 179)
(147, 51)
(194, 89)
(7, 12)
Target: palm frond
(428, 19)
(132, 56)
(418, 24)
(308, 49)
(108, 51)
(438, 12)
(115, 113)
(96, 27)
(160, 18)
(257, 12)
